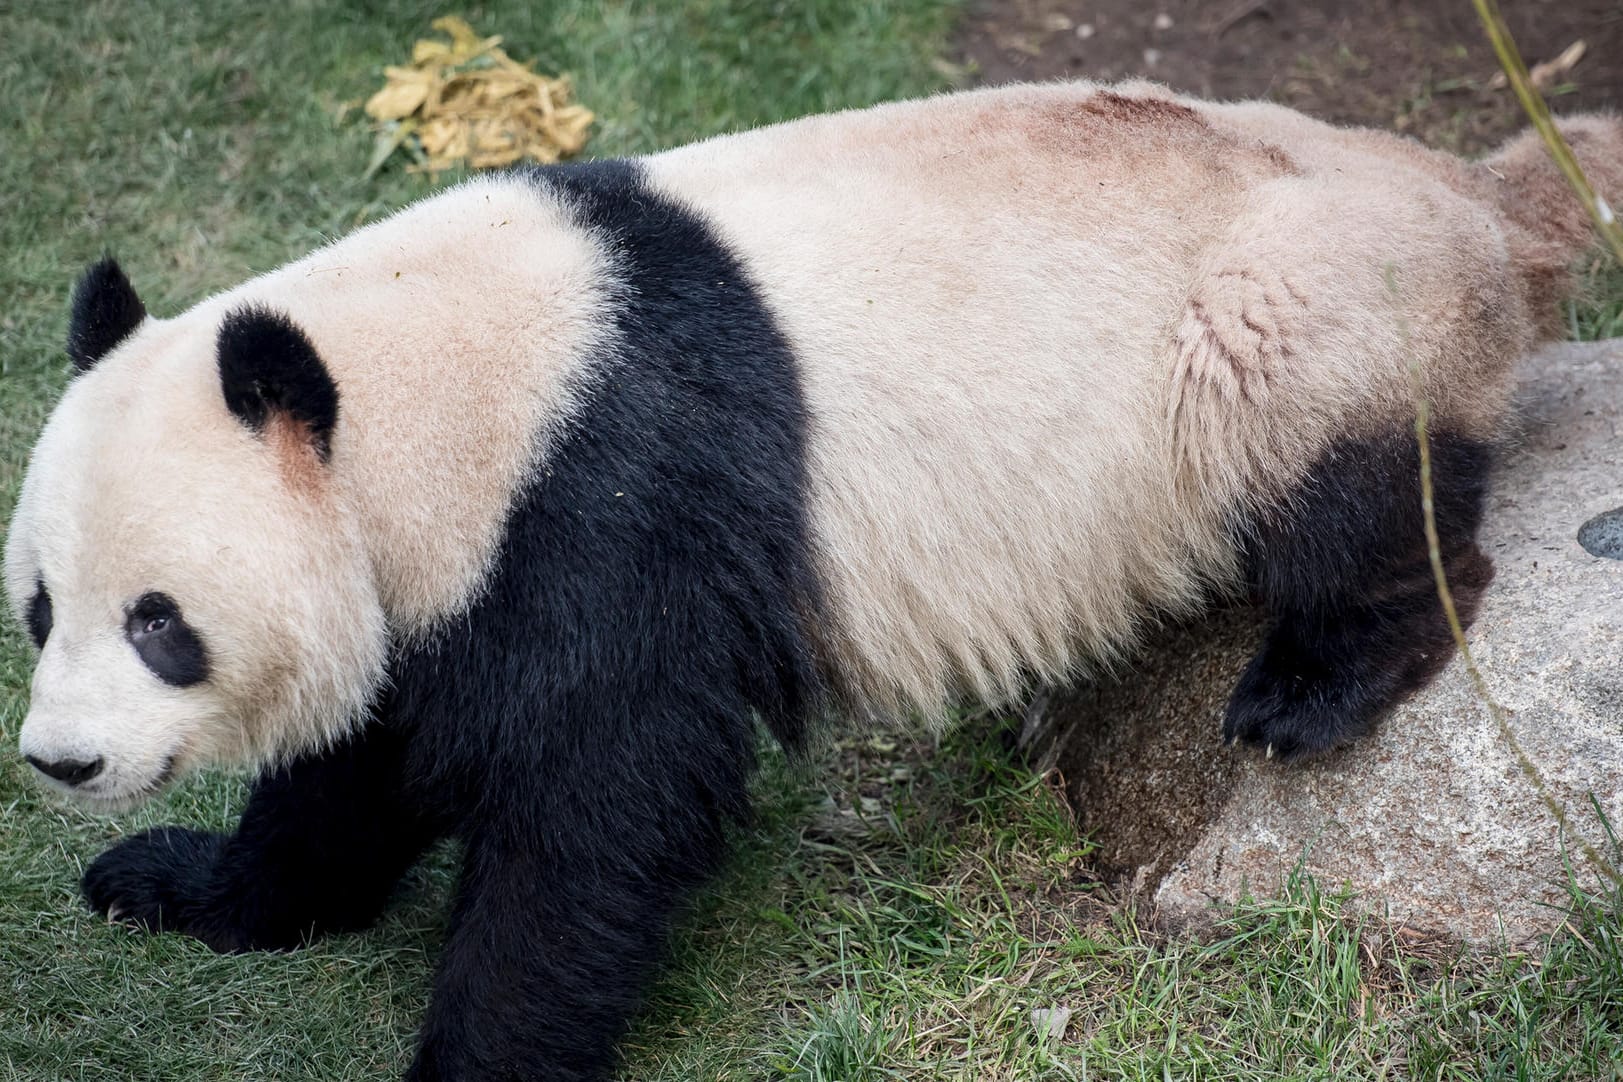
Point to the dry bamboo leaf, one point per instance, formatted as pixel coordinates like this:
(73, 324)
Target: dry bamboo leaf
(403, 95)
(1546, 73)
(463, 40)
(390, 136)
(465, 100)
(428, 52)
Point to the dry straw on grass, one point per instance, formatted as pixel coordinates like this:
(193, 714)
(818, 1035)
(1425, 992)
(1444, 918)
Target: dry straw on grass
(465, 100)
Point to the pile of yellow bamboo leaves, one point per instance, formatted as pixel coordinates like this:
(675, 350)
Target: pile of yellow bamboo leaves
(465, 100)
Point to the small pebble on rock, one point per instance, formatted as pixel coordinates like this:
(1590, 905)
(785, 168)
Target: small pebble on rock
(1603, 534)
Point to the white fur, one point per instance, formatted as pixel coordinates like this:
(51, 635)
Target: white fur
(455, 332)
(1056, 335)
(138, 485)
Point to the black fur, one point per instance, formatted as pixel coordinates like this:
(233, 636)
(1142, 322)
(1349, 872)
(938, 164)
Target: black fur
(268, 365)
(105, 310)
(39, 615)
(68, 771)
(318, 849)
(1344, 569)
(165, 642)
(587, 727)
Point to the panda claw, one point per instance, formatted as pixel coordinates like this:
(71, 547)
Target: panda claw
(1270, 754)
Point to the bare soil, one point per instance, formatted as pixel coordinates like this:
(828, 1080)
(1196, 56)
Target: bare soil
(1419, 66)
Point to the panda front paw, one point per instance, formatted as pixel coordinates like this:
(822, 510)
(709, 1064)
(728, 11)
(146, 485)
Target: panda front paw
(158, 880)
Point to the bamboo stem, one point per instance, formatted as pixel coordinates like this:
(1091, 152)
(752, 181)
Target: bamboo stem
(1446, 596)
(1510, 59)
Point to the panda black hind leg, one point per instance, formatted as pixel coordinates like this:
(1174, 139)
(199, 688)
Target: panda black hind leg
(1343, 569)
(319, 847)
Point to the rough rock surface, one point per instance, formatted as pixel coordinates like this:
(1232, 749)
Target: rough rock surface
(1429, 820)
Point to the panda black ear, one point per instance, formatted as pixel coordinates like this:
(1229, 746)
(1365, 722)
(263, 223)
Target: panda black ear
(269, 369)
(105, 311)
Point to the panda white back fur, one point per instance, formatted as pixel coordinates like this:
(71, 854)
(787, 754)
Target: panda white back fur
(507, 516)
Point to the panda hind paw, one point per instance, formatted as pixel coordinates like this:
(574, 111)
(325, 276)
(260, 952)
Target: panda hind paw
(1293, 704)
(1278, 719)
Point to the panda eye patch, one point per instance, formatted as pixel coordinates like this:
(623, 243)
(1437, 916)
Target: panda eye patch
(165, 642)
(39, 616)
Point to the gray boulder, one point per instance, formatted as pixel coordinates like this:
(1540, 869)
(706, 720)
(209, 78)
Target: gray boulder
(1430, 820)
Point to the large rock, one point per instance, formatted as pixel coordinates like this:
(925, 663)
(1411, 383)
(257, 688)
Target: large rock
(1430, 819)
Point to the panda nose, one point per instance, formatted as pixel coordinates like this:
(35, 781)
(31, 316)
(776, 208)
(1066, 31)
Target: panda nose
(68, 771)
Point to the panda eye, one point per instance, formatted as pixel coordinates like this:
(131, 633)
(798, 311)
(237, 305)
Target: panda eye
(39, 616)
(165, 642)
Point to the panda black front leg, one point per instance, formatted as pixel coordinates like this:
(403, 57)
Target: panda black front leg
(1343, 568)
(571, 879)
(318, 849)
(623, 760)
(544, 964)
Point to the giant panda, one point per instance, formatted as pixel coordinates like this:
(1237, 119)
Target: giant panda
(508, 518)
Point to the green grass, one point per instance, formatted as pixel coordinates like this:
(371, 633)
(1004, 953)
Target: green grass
(898, 910)
(903, 922)
(1599, 312)
(896, 913)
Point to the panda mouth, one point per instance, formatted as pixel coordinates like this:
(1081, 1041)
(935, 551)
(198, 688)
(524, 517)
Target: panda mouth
(126, 797)
(164, 776)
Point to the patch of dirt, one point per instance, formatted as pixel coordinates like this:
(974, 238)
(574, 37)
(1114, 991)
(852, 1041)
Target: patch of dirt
(1419, 66)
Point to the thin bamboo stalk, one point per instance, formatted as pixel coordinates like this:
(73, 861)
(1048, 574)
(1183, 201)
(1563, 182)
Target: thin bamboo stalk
(1538, 111)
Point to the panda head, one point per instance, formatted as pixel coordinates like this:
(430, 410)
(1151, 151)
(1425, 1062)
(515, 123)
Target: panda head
(182, 553)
